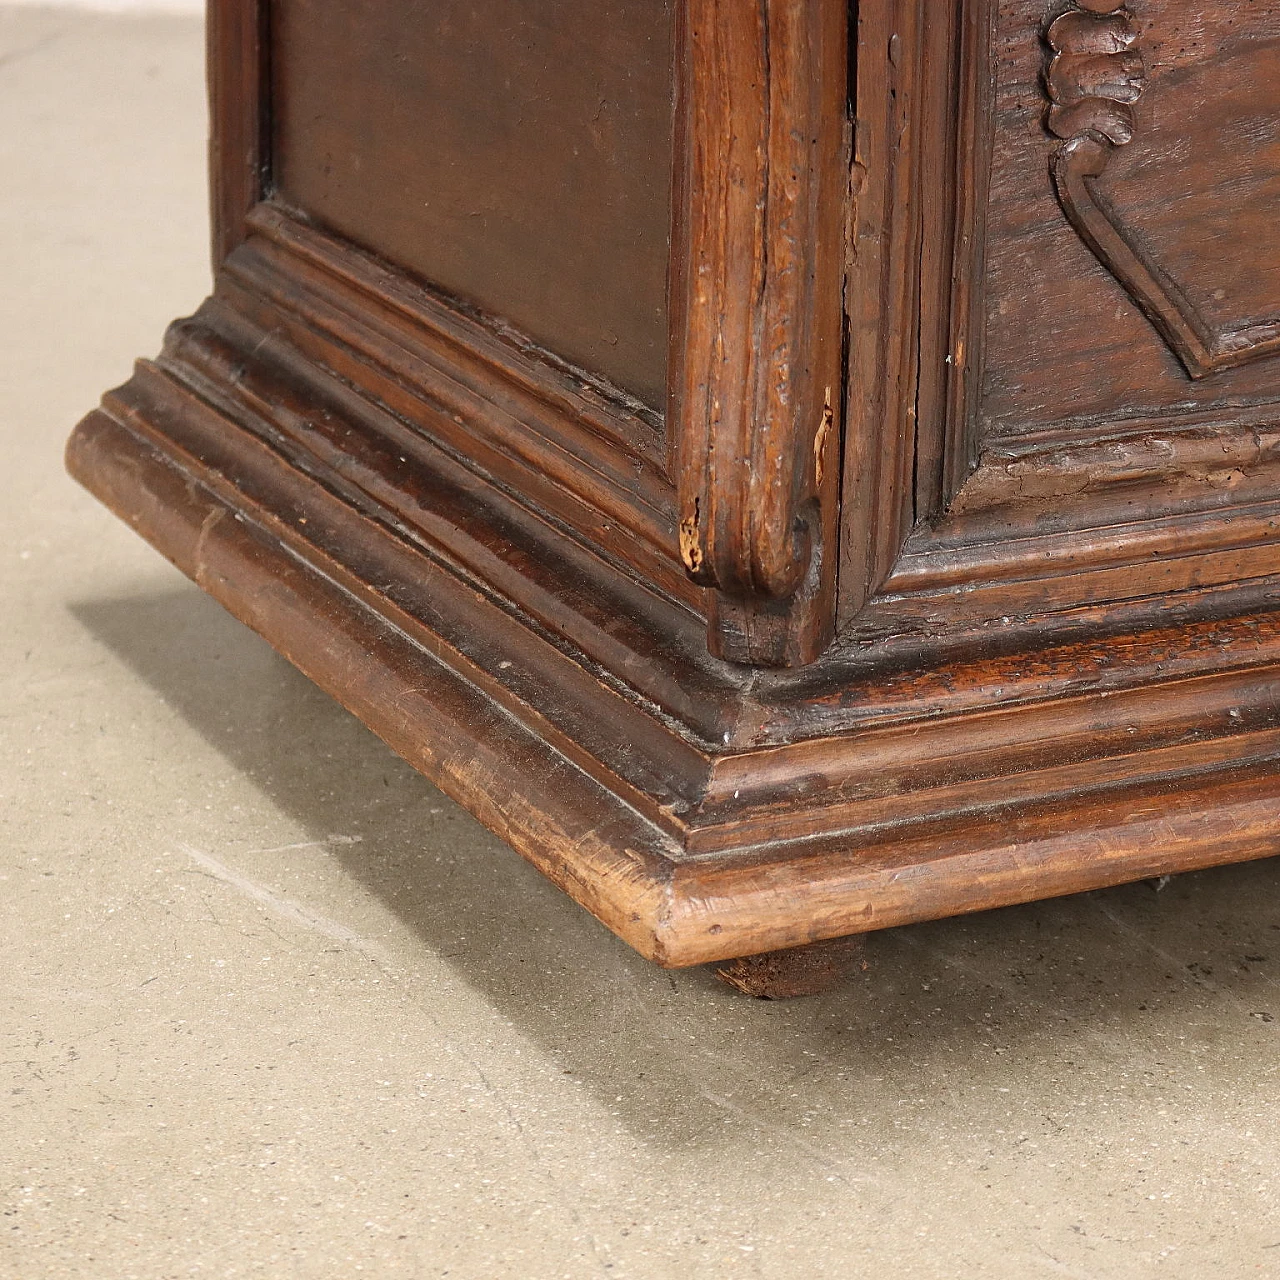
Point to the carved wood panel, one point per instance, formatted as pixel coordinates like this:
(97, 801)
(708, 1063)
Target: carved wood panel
(1115, 405)
(1133, 242)
(1214, 314)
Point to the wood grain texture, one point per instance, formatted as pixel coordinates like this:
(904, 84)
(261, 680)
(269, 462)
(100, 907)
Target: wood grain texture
(600, 851)
(1094, 77)
(1192, 195)
(237, 49)
(582, 456)
(1027, 518)
(520, 155)
(1058, 649)
(913, 294)
(426, 672)
(756, 380)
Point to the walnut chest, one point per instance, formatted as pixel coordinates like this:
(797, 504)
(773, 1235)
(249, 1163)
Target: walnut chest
(791, 468)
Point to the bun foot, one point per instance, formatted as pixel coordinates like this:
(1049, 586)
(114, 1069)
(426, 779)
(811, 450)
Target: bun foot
(810, 970)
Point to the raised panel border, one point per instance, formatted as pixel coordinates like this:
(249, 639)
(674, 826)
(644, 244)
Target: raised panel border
(1136, 512)
(757, 363)
(913, 294)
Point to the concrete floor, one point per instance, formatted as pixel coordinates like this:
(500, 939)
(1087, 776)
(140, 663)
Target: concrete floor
(271, 1006)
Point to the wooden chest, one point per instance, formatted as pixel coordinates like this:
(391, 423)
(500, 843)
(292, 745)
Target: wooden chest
(790, 468)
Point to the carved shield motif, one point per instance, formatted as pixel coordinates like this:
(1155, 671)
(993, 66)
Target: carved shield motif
(1170, 165)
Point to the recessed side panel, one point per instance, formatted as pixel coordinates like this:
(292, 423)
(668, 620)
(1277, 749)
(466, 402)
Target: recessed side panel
(515, 156)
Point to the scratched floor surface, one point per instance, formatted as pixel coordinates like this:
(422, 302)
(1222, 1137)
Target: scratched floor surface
(271, 1006)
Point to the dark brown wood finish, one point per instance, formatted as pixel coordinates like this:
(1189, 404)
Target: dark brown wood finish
(238, 60)
(913, 293)
(515, 157)
(756, 381)
(1183, 209)
(1211, 301)
(797, 971)
(404, 639)
(1059, 572)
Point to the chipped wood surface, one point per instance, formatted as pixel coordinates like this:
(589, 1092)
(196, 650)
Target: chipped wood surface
(1050, 556)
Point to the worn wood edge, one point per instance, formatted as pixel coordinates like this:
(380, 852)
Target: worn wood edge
(1009, 441)
(1028, 559)
(1246, 552)
(444, 590)
(756, 359)
(232, 403)
(952, 674)
(599, 849)
(882, 298)
(229, 330)
(1206, 494)
(915, 277)
(852, 791)
(1030, 484)
(843, 885)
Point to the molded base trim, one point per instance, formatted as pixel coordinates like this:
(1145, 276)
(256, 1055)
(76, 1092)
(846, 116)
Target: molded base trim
(628, 808)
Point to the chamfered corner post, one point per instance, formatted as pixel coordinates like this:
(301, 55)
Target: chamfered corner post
(812, 969)
(756, 374)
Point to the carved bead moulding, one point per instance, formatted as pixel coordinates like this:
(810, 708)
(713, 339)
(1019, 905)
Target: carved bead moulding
(1095, 75)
